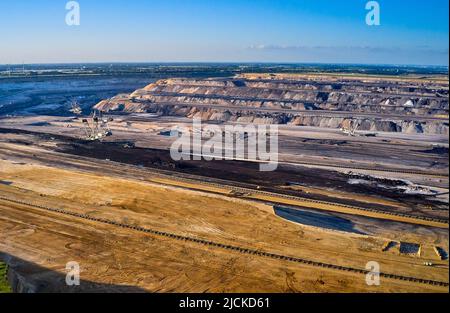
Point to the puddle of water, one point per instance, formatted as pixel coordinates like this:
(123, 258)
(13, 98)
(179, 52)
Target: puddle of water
(39, 124)
(322, 220)
(442, 253)
(7, 183)
(409, 248)
(391, 245)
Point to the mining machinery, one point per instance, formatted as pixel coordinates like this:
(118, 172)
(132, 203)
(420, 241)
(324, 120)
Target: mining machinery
(75, 108)
(350, 127)
(96, 127)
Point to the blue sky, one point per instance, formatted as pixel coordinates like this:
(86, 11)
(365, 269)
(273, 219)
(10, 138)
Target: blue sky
(324, 31)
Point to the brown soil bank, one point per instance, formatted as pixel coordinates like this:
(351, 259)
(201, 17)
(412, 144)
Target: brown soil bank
(247, 173)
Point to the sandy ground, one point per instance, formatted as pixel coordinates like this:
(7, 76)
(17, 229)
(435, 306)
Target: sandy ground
(51, 240)
(38, 243)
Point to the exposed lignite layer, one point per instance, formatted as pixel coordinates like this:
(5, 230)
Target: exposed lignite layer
(379, 105)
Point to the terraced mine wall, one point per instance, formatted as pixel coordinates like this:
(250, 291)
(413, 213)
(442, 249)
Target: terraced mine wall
(377, 105)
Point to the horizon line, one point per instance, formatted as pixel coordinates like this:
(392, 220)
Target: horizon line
(227, 62)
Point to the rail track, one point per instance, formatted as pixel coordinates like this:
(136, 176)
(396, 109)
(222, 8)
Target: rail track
(199, 180)
(295, 198)
(225, 184)
(432, 174)
(348, 167)
(192, 179)
(237, 249)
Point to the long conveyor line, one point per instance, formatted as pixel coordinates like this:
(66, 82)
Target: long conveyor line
(228, 247)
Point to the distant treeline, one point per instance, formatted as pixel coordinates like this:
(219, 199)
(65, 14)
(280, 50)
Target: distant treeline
(209, 69)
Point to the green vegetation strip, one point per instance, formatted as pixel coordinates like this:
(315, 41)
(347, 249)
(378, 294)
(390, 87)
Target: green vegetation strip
(4, 286)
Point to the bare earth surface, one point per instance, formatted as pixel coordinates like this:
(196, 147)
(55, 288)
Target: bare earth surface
(160, 264)
(136, 221)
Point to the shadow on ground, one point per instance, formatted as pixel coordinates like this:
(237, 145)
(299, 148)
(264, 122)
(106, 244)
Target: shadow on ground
(26, 277)
(317, 219)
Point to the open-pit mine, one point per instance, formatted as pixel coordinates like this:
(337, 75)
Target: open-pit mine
(362, 178)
